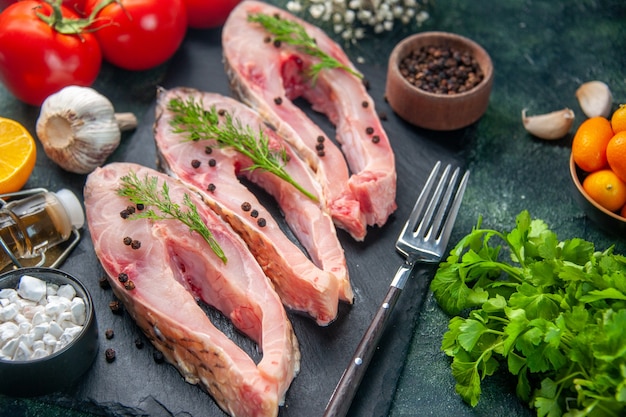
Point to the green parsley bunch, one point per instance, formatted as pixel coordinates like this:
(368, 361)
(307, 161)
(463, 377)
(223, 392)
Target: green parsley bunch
(553, 312)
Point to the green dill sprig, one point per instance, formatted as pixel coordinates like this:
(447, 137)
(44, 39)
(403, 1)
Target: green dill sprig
(198, 123)
(293, 33)
(147, 193)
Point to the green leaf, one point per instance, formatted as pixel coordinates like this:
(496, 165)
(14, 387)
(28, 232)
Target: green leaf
(546, 401)
(606, 294)
(470, 332)
(468, 380)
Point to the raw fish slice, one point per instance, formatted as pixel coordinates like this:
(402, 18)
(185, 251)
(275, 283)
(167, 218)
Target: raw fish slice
(301, 284)
(170, 270)
(268, 77)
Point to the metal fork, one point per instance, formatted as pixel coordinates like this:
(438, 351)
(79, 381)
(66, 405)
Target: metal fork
(424, 238)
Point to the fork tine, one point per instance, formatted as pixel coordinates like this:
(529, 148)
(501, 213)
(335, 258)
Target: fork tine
(427, 225)
(454, 208)
(416, 213)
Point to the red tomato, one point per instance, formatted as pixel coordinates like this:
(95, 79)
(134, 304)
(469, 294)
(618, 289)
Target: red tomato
(139, 34)
(77, 6)
(204, 14)
(36, 61)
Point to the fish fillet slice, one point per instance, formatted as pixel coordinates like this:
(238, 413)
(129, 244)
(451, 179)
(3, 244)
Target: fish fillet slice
(270, 77)
(314, 288)
(171, 270)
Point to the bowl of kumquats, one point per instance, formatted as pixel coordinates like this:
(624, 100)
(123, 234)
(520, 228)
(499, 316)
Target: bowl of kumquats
(598, 169)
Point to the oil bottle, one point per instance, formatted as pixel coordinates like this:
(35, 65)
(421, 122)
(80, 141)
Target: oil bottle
(30, 226)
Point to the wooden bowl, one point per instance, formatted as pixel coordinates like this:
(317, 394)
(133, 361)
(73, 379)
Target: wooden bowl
(608, 221)
(438, 111)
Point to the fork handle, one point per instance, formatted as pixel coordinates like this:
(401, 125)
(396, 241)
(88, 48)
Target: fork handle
(348, 385)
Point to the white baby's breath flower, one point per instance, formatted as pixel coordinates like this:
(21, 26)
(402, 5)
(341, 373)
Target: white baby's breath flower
(353, 19)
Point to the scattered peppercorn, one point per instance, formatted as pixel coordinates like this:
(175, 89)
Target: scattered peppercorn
(122, 277)
(319, 147)
(245, 206)
(139, 343)
(116, 307)
(140, 206)
(211, 187)
(365, 104)
(195, 163)
(276, 43)
(375, 139)
(321, 153)
(320, 139)
(369, 130)
(135, 244)
(441, 70)
(278, 101)
(128, 240)
(129, 285)
(158, 356)
(104, 283)
(124, 214)
(221, 112)
(208, 150)
(261, 222)
(109, 333)
(254, 213)
(212, 162)
(109, 355)
(130, 209)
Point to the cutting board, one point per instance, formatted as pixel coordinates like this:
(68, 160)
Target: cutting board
(136, 384)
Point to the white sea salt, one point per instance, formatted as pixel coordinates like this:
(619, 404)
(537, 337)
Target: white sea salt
(38, 318)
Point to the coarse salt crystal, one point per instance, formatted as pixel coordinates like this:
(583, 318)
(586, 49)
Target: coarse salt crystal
(66, 291)
(31, 288)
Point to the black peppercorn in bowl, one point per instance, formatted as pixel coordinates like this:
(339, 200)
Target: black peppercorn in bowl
(48, 331)
(439, 80)
(610, 222)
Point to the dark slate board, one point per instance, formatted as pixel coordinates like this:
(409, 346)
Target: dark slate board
(136, 385)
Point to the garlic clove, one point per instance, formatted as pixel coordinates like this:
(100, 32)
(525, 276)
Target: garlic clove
(549, 126)
(595, 99)
(78, 128)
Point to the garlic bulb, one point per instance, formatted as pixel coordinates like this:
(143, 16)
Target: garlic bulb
(79, 129)
(595, 99)
(550, 126)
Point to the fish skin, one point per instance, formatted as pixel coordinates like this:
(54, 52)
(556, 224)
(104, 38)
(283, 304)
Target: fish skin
(260, 72)
(172, 268)
(311, 287)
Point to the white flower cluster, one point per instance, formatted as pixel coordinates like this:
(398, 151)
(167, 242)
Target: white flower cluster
(351, 18)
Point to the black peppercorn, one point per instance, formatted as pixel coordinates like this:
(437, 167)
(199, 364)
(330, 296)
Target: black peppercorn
(140, 206)
(135, 244)
(158, 356)
(254, 213)
(261, 222)
(369, 130)
(195, 163)
(108, 333)
(104, 283)
(208, 150)
(375, 139)
(109, 355)
(139, 343)
(211, 187)
(245, 206)
(278, 101)
(124, 214)
(116, 307)
(122, 277)
(128, 240)
(129, 285)
(212, 162)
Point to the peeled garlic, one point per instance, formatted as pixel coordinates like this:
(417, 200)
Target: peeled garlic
(553, 125)
(79, 129)
(595, 99)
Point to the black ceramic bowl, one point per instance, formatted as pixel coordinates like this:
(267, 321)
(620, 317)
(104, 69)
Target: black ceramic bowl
(608, 221)
(58, 370)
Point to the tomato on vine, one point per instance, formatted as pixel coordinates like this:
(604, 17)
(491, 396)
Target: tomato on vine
(138, 34)
(204, 14)
(43, 48)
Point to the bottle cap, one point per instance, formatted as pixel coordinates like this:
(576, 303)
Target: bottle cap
(73, 207)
